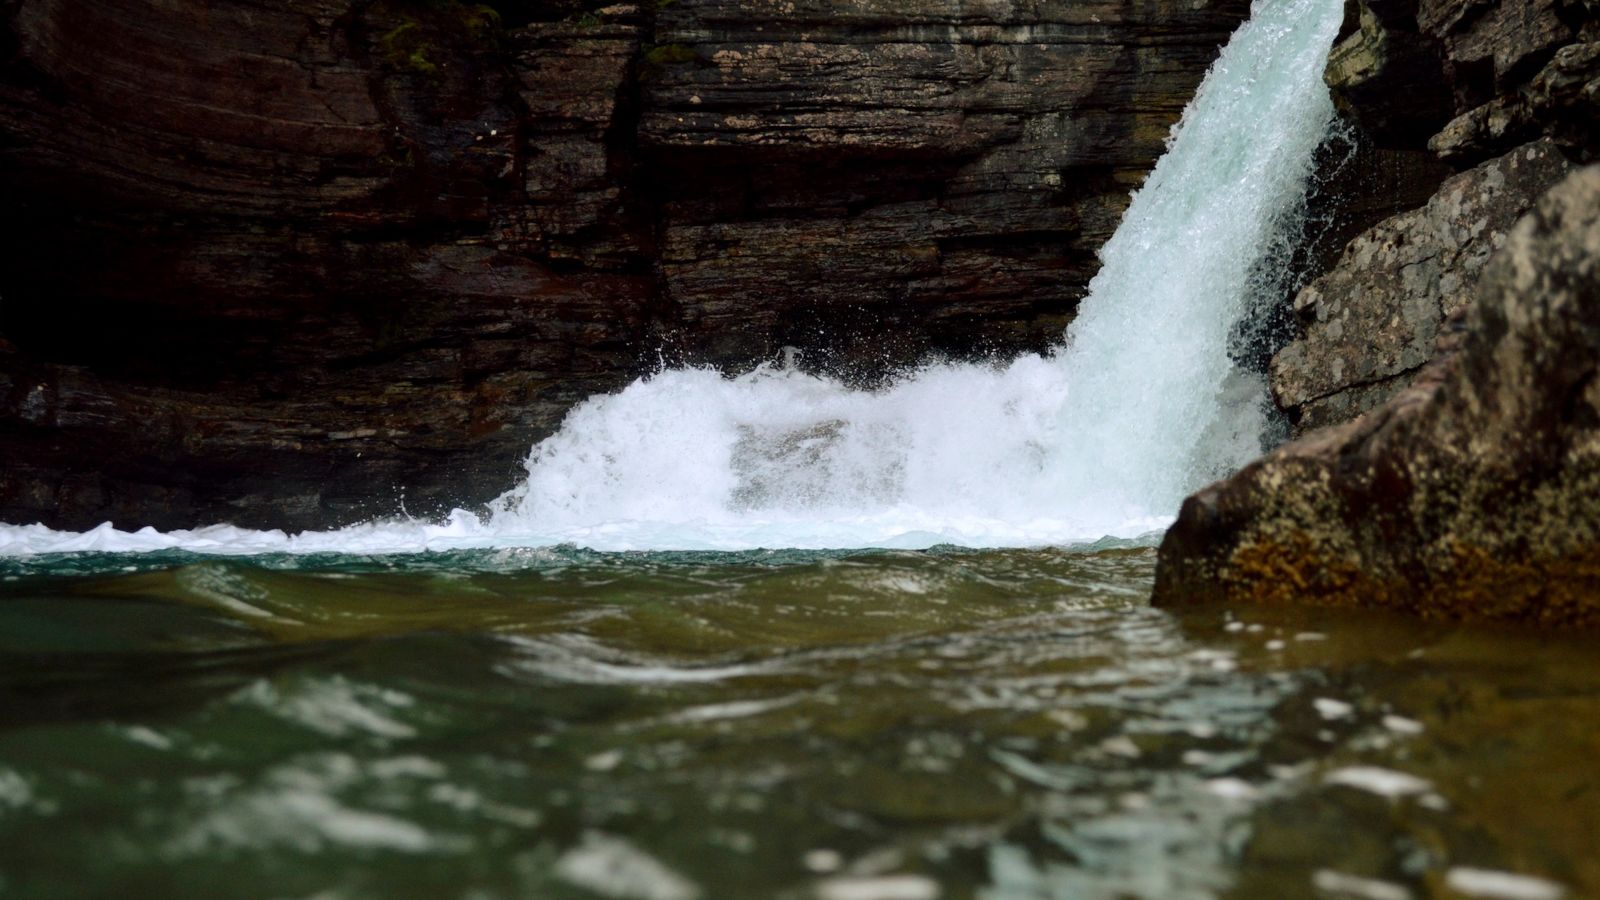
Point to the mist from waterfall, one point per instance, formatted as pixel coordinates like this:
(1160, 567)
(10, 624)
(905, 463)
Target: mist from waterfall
(1139, 405)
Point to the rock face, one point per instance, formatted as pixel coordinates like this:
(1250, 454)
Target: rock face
(1384, 45)
(903, 175)
(1475, 492)
(1504, 90)
(1370, 324)
(1470, 78)
(295, 263)
(1449, 356)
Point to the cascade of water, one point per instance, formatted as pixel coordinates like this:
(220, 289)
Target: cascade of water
(1136, 409)
(1140, 405)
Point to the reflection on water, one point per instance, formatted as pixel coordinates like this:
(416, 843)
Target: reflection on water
(558, 723)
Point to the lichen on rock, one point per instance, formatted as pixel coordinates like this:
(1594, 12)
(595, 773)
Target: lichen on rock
(1372, 322)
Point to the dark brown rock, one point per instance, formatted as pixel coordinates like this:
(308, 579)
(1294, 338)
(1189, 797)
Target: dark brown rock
(293, 264)
(299, 262)
(876, 179)
(1473, 493)
(1486, 75)
(1562, 100)
(1385, 48)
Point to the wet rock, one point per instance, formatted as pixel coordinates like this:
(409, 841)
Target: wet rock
(1370, 324)
(1490, 81)
(1473, 493)
(292, 264)
(1491, 45)
(1562, 100)
(1469, 78)
(1384, 47)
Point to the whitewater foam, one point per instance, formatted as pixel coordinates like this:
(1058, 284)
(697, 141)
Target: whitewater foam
(1140, 405)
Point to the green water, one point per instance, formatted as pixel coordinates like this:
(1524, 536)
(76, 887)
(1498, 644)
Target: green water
(559, 724)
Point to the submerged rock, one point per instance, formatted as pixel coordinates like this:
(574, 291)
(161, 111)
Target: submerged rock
(1473, 493)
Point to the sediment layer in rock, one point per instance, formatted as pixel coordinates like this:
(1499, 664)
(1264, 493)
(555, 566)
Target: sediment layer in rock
(292, 264)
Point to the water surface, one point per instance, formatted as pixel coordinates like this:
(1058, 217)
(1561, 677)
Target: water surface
(562, 723)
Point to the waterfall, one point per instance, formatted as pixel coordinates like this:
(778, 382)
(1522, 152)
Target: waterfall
(1138, 406)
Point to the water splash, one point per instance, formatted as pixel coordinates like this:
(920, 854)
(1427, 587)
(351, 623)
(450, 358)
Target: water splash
(1140, 406)
(1104, 436)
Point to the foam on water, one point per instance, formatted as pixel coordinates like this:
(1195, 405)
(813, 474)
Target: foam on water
(1140, 405)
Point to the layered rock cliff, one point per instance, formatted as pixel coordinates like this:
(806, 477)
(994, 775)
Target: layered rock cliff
(294, 263)
(300, 261)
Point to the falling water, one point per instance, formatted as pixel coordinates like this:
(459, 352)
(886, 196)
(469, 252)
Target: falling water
(1104, 436)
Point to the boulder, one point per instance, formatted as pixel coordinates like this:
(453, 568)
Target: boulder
(1473, 493)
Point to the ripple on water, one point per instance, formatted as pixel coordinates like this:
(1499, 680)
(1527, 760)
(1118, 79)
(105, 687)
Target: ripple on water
(995, 725)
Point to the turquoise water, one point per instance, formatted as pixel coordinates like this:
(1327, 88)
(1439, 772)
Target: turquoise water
(946, 723)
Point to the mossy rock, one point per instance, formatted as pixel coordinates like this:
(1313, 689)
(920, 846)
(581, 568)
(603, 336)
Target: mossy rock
(419, 44)
(670, 55)
(656, 59)
(409, 47)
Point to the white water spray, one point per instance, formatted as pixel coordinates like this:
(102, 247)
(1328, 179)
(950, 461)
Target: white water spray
(1105, 436)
